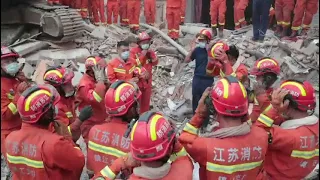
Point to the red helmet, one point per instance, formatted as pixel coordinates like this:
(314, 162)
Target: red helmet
(229, 97)
(302, 93)
(36, 101)
(204, 33)
(139, 71)
(8, 52)
(143, 36)
(58, 76)
(216, 46)
(151, 137)
(95, 60)
(265, 65)
(120, 97)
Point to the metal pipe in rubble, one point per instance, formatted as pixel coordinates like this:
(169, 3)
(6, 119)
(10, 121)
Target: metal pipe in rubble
(167, 38)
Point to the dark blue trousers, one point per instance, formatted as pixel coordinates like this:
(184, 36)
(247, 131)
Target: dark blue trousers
(199, 85)
(260, 18)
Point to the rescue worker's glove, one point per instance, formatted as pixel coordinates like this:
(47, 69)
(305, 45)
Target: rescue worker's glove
(85, 113)
(202, 109)
(99, 73)
(278, 100)
(62, 129)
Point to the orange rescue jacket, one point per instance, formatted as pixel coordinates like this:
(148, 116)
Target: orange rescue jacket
(238, 157)
(215, 70)
(294, 150)
(174, 4)
(106, 143)
(119, 70)
(36, 153)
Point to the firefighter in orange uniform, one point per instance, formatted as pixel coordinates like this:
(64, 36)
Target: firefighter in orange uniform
(145, 58)
(283, 10)
(239, 17)
(183, 11)
(48, 155)
(98, 13)
(13, 83)
(294, 150)
(221, 59)
(232, 151)
(61, 78)
(217, 12)
(263, 76)
(150, 11)
(124, 21)
(109, 135)
(91, 90)
(112, 11)
(122, 67)
(173, 15)
(133, 14)
(151, 131)
(82, 7)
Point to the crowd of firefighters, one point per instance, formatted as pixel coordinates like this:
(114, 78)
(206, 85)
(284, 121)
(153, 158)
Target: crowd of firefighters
(39, 124)
(129, 12)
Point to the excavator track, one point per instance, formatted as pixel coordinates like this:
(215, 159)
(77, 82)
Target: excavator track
(58, 23)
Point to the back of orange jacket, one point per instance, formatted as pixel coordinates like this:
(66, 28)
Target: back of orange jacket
(181, 168)
(91, 93)
(106, 143)
(238, 157)
(294, 150)
(35, 153)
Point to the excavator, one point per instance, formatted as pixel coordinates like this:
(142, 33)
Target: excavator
(57, 23)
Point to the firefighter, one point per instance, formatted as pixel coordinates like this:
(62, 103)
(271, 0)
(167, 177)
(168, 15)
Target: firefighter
(239, 16)
(173, 15)
(109, 135)
(150, 11)
(124, 21)
(133, 13)
(232, 151)
(99, 17)
(82, 7)
(13, 83)
(112, 11)
(34, 152)
(218, 12)
(151, 131)
(283, 10)
(221, 62)
(294, 150)
(145, 59)
(199, 53)
(91, 90)
(53, 2)
(60, 78)
(183, 11)
(122, 67)
(303, 15)
(260, 18)
(263, 76)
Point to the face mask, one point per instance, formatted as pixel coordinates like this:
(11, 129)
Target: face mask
(125, 55)
(68, 90)
(145, 46)
(201, 45)
(12, 68)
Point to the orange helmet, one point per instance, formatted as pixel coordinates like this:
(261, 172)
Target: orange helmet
(302, 93)
(138, 71)
(205, 34)
(95, 60)
(36, 101)
(216, 46)
(58, 76)
(229, 97)
(265, 65)
(151, 137)
(120, 97)
(143, 36)
(8, 52)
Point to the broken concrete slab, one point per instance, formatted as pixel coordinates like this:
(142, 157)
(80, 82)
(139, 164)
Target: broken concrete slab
(40, 70)
(98, 32)
(78, 55)
(30, 47)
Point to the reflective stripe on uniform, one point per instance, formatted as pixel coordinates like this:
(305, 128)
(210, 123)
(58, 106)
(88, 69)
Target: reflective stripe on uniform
(13, 108)
(305, 154)
(213, 25)
(77, 148)
(138, 60)
(69, 114)
(285, 23)
(190, 129)
(267, 109)
(107, 172)
(96, 96)
(265, 120)
(23, 160)
(69, 129)
(241, 20)
(119, 70)
(295, 28)
(105, 150)
(10, 96)
(131, 69)
(175, 156)
(229, 169)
